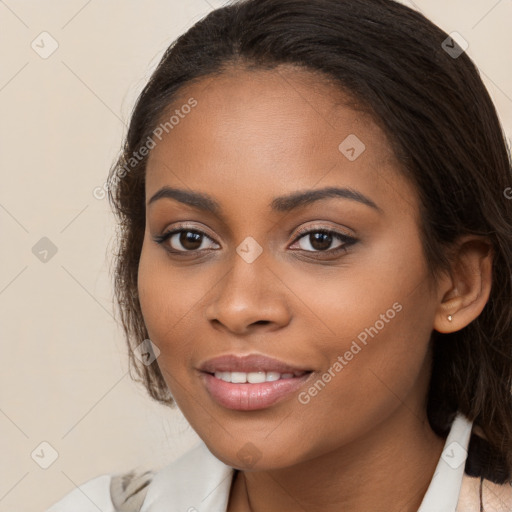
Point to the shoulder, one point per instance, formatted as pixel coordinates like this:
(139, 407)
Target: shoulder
(195, 480)
(495, 497)
(121, 492)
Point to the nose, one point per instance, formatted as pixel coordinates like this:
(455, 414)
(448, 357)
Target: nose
(249, 297)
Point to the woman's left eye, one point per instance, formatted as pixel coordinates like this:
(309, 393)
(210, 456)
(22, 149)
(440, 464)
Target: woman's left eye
(320, 240)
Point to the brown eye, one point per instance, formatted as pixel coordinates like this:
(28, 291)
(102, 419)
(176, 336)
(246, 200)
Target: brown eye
(190, 240)
(184, 240)
(320, 241)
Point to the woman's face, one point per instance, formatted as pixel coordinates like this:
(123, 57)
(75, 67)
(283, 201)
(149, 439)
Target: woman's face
(335, 285)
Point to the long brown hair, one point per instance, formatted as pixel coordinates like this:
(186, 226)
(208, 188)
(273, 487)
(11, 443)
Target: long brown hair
(428, 97)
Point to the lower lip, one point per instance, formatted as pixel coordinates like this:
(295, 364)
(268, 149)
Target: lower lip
(250, 397)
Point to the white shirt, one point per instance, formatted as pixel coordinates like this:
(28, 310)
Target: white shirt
(199, 482)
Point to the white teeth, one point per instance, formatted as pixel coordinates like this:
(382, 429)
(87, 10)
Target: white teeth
(254, 377)
(224, 376)
(238, 377)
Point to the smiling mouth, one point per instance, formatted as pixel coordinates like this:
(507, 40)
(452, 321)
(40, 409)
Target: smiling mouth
(250, 382)
(249, 391)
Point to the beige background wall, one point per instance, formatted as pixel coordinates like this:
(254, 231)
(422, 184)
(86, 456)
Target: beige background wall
(64, 376)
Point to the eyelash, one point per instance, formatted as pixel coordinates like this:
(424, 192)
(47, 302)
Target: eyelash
(347, 240)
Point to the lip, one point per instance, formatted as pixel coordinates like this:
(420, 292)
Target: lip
(247, 396)
(249, 363)
(250, 397)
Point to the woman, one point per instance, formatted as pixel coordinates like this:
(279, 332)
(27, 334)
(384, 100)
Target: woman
(315, 266)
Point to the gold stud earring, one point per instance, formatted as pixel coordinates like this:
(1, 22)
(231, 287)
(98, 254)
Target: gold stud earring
(450, 318)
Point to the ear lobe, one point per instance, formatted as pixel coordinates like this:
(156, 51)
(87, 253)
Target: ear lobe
(468, 287)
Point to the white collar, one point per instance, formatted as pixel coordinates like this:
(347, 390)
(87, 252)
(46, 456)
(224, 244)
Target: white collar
(198, 481)
(444, 489)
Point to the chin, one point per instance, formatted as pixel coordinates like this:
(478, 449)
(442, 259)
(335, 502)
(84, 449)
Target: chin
(252, 457)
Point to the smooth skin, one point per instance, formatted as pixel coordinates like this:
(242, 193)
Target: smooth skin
(363, 443)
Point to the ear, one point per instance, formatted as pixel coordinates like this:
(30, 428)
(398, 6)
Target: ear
(465, 290)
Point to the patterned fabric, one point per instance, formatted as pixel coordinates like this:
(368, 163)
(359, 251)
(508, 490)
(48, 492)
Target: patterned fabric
(128, 490)
(494, 497)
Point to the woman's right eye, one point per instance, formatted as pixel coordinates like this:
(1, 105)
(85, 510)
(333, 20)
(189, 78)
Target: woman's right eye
(183, 240)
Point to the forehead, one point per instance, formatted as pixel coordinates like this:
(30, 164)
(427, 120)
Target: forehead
(268, 132)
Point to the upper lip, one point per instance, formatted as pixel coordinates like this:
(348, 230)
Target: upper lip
(247, 364)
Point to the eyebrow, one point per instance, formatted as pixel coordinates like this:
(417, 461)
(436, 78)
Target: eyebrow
(284, 203)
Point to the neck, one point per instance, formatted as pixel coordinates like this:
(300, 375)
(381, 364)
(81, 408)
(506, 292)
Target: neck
(390, 468)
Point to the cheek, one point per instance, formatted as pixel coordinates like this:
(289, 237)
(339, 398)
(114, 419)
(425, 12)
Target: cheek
(172, 301)
(376, 362)
(166, 294)
(165, 301)
(365, 382)
(374, 325)
(378, 290)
